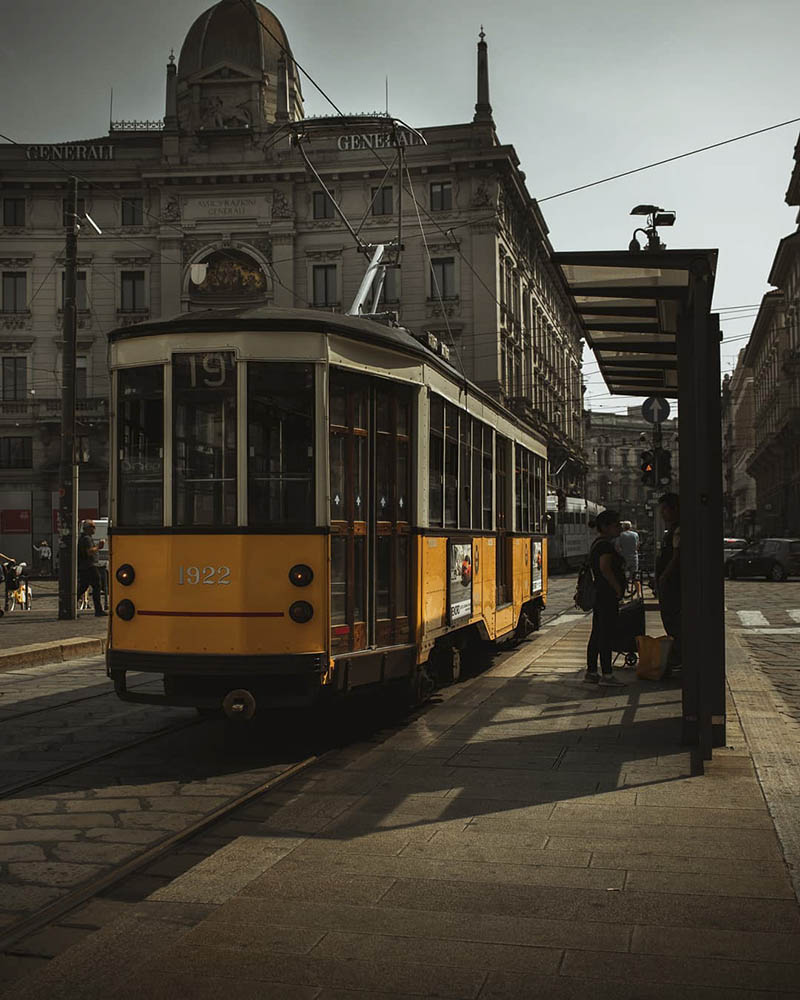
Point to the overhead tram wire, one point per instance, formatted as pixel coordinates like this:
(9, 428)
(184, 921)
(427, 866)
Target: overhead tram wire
(435, 282)
(670, 159)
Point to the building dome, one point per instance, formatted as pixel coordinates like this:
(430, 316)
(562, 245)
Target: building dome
(232, 44)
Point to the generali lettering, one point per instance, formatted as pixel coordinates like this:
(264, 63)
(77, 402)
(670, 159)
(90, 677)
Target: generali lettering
(73, 151)
(378, 140)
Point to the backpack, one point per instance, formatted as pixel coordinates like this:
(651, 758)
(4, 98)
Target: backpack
(586, 588)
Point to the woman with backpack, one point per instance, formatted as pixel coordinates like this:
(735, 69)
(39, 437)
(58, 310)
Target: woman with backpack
(608, 573)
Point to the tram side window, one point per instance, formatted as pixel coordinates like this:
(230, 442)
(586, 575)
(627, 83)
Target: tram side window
(451, 467)
(436, 463)
(487, 478)
(280, 444)
(140, 447)
(204, 449)
(503, 587)
(530, 500)
(477, 473)
(539, 498)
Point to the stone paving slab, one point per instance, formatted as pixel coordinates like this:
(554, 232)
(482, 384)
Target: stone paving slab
(538, 838)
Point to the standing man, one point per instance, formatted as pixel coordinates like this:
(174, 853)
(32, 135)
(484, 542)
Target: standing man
(45, 556)
(88, 572)
(668, 574)
(628, 547)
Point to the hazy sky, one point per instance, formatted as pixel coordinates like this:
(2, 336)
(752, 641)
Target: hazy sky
(582, 89)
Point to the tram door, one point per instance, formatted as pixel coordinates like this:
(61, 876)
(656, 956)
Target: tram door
(370, 512)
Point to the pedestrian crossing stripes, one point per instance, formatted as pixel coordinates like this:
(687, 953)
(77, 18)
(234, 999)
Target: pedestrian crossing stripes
(749, 618)
(757, 622)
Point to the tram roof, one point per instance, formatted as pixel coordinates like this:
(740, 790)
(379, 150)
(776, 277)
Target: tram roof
(631, 304)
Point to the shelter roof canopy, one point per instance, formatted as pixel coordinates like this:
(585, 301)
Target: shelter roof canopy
(630, 305)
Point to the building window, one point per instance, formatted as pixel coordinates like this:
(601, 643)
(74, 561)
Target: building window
(382, 201)
(13, 211)
(14, 291)
(324, 285)
(15, 378)
(81, 378)
(441, 196)
(132, 297)
(323, 206)
(16, 453)
(132, 211)
(66, 209)
(443, 278)
(81, 298)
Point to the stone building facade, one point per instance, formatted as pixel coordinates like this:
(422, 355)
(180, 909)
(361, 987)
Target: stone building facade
(773, 356)
(738, 441)
(218, 183)
(614, 443)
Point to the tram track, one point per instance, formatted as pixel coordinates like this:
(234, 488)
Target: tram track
(11, 790)
(108, 692)
(155, 852)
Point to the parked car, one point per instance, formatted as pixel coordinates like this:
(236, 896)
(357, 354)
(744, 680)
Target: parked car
(730, 546)
(772, 558)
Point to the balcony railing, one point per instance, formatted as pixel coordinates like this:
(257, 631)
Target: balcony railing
(49, 408)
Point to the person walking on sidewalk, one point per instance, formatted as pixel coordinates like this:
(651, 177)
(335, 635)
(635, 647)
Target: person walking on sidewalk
(668, 575)
(88, 571)
(608, 572)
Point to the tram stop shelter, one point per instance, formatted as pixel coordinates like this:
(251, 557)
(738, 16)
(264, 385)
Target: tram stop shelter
(647, 317)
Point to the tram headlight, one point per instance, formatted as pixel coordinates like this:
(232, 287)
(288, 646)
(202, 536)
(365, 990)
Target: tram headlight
(126, 610)
(301, 612)
(125, 574)
(301, 575)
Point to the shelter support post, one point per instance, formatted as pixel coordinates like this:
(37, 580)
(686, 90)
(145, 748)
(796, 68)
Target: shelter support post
(702, 584)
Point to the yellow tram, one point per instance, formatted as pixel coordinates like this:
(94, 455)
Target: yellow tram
(304, 504)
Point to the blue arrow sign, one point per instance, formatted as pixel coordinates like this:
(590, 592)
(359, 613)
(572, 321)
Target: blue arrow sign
(655, 409)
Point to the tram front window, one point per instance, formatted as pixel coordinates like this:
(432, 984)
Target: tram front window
(280, 444)
(140, 447)
(204, 463)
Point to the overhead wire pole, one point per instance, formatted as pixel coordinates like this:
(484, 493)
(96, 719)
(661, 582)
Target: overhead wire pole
(68, 500)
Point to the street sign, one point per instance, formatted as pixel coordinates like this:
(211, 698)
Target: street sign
(655, 409)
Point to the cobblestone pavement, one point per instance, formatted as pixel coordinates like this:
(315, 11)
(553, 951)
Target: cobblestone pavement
(41, 624)
(773, 642)
(58, 835)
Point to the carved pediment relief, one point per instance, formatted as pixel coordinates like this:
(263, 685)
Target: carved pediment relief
(224, 72)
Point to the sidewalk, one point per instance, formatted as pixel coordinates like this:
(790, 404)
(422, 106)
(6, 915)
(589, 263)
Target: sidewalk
(527, 836)
(37, 636)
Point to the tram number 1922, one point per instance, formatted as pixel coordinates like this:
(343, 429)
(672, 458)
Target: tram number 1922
(210, 575)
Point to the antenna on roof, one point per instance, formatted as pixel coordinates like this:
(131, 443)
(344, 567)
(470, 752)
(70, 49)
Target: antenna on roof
(387, 96)
(111, 111)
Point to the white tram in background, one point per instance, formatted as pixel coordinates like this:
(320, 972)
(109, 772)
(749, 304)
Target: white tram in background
(569, 535)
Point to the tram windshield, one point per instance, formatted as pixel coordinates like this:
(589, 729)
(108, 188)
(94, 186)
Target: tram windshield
(204, 439)
(280, 444)
(140, 446)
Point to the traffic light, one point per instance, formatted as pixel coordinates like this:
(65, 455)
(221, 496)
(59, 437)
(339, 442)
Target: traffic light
(648, 468)
(664, 467)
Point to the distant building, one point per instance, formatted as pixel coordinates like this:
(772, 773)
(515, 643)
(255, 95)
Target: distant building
(217, 183)
(614, 443)
(773, 356)
(738, 441)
